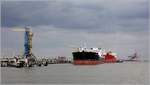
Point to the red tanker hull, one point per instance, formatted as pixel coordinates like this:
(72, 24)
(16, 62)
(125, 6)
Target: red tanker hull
(86, 62)
(92, 58)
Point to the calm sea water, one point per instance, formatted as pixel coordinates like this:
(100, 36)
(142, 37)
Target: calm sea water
(119, 73)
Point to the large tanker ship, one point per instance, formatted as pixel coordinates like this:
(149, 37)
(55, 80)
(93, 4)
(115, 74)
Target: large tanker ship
(85, 56)
(93, 56)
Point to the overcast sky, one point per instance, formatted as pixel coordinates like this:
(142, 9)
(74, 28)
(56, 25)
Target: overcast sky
(60, 25)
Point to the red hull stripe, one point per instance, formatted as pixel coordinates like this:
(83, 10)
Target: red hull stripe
(86, 62)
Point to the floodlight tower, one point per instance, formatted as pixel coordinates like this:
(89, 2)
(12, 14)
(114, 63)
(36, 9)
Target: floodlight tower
(30, 59)
(28, 42)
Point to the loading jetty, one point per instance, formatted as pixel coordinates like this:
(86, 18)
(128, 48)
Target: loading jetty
(21, 62)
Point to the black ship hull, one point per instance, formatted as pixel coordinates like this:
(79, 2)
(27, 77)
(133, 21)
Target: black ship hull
(86, 58)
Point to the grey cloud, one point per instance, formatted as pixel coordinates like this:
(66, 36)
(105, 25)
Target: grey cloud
(16, 13)
(102, 16)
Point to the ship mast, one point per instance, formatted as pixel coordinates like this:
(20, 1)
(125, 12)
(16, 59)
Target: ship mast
(85, 47)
